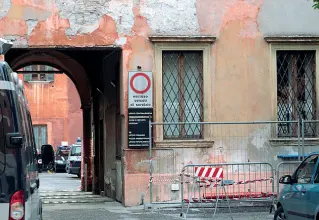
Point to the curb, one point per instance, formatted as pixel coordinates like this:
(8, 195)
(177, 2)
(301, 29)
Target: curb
(68, 197)
(64, 191)
(75, 201)
(66, 194)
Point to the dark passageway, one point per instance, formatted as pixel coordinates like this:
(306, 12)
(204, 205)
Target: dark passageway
(95, 74)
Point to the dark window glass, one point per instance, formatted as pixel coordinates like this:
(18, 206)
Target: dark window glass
(183, 93)
(296, 91)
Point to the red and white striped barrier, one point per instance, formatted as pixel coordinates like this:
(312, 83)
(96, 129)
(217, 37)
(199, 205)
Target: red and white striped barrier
(209, 172)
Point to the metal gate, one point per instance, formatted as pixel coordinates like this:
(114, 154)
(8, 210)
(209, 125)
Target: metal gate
(40, 135)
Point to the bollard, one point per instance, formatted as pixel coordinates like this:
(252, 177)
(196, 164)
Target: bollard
(85, 177)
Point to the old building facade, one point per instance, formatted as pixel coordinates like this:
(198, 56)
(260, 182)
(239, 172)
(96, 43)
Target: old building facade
(211, 61)
(55, 108)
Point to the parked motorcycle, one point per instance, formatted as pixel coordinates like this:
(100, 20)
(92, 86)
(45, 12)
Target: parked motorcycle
(47, 156)
(40, 164)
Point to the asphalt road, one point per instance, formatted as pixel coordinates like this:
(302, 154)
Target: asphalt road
(59, 182)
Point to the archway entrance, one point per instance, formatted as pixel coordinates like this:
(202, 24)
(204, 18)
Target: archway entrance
(95, 74)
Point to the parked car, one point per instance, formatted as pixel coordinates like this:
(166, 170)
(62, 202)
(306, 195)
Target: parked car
(19, 179)
(74, 160)
(299, 199)
(61, 156)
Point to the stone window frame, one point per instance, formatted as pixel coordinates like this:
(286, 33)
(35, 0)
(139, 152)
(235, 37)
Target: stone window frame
(294, 43)
(36, 77)
(201, 43)
(273, 64)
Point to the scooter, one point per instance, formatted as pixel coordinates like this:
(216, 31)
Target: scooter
(40, 165)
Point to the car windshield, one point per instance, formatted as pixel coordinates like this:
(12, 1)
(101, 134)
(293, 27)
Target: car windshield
(63, 151)
(76, 151)
(62, 154)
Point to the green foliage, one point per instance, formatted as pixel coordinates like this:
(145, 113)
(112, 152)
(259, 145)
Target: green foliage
(315, 4)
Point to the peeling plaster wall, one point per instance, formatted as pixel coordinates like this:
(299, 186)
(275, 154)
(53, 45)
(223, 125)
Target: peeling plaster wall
(86, 22)
(171, 16)
(5, 6)
(239, 60)
(84, 16)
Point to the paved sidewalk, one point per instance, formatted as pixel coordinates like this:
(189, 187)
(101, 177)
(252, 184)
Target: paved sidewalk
(62, 188)
(51, 182)
(115, 211)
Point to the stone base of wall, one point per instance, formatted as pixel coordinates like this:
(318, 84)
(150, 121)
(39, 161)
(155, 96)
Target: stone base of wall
(136, 189)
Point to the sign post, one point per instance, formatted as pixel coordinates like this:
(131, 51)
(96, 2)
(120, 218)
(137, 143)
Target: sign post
(140, 108)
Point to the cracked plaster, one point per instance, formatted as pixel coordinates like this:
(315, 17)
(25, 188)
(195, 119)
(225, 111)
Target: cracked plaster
(31, 25)
(171, 17)
(4, 6)
(84, 15)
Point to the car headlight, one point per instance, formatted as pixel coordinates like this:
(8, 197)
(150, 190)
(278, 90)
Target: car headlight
(59, 161)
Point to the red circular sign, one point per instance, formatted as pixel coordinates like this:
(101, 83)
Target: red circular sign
(148, 83)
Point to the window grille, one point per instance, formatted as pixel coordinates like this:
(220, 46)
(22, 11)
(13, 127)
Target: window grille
(183, 93)
(296, 91)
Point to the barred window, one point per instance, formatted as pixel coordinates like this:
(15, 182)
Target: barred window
(296, 90)
(183, 93)
(28, 77)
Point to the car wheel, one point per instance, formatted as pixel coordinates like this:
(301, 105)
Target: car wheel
(280, 214)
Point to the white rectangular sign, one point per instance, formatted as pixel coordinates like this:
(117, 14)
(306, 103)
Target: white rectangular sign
(140, 89)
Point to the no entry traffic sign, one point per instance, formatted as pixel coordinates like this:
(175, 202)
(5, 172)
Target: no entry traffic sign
(140, 90)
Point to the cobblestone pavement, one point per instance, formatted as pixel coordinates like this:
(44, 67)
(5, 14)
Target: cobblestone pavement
(114, 210)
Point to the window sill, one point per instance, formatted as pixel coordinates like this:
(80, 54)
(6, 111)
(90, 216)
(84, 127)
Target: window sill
(292, 38)
(293, 141)
(184, 144)
(183, 39)
(39, 81)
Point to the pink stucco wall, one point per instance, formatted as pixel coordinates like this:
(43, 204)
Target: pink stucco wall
(239, 58)
(56, 105)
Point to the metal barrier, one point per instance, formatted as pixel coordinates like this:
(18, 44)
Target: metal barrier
(163, 173)
(241, 182)
(285, 168)
(309, 137)
(175, 145)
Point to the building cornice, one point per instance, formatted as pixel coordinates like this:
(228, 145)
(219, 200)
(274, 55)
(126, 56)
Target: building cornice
(182, 39)
(292, 39)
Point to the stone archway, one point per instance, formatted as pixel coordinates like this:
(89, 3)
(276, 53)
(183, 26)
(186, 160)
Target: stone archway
(60, 61)
(75, 71)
